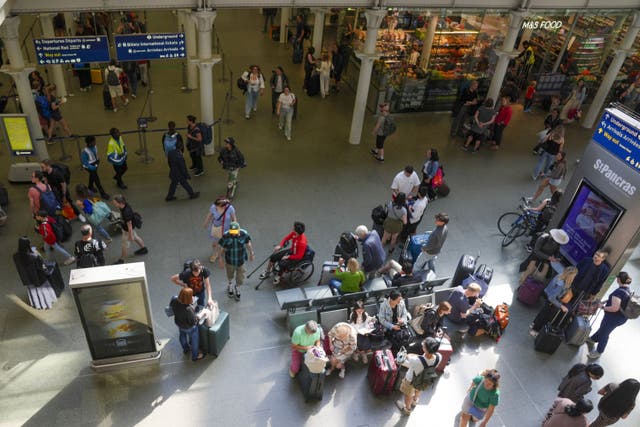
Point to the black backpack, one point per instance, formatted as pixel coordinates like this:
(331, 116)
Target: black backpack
(64, 171)
(137, 220)
(427, 376)
(112, 78)
(65, 227)
(86, 260)
(379, 214)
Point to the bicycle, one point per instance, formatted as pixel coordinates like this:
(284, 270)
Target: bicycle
(515, 224)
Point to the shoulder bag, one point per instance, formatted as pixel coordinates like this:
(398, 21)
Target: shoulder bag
(474, 411)
(216, 230)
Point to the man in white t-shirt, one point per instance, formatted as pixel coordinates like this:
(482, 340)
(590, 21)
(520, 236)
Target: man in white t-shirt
(416, 364)
(406, 182)
(284, 109)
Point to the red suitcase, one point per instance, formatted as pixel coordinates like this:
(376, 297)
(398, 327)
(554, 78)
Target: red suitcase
(445, 350)
(382, 372)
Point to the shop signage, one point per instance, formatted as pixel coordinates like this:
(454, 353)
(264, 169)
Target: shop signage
(619, 134)
(542, 24)
(136, 47)
(72, 50)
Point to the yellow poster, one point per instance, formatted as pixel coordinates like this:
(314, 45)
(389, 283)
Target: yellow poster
(18, 135)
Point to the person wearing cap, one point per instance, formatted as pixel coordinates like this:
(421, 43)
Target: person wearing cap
(431, 249)
(231, 160)
(178, 173)
(545, 251)
(235, 243)
(416, 364)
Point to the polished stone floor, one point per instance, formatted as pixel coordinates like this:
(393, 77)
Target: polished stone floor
(318, 178)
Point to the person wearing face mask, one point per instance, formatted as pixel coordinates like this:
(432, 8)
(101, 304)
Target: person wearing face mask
(463, 302)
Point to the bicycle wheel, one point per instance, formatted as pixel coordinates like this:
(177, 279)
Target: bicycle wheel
(507, 220)
(516, 231)
(302, 272)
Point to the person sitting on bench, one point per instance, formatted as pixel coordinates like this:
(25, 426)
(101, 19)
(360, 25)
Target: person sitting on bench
(287, 257)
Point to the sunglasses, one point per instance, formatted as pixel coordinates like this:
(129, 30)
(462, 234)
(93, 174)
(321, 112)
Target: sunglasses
(493, 377)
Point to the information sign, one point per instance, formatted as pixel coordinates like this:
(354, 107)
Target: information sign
(138, 47)
(16, 130)
(619, 134)
(72, 50)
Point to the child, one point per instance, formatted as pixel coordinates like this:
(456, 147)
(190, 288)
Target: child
(528, 97)
(46, 231)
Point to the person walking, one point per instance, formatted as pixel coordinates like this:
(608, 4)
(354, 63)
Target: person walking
(235, 243)
(43, 227)
(195, 145)
(170, 138)
(379, 132)
(178, 174)
(501, 122)
(372, 251)
(613, 316)
(430, 250)
(89, 252)
(128, 223)
(565, 413)
(218, 220)
(465, 107)
(231, 160)
(309, 65)
(278, 82)
(56, 114)
(285, 110)
(412, 384)
(552, 145)
(117, 156)
(617, 401)
(112, 79)
(574, 101)
(90, 162)
(255, 88)
(324, 69)
(483, 396)
(553, 178)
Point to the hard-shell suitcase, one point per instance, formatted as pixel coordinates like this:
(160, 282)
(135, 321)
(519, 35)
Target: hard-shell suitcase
(312, 385)
(578, 331)
(445, 350)
(530, 290)
(55, 277)
(313, 87)
(3, 103)
(466, 267)
(551, 335)
(416, 242)
(382, 372)
(485, 273)
(4, 196)
(328, 270)
(214, 338)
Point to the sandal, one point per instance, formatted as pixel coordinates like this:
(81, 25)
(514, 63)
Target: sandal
(200, 357)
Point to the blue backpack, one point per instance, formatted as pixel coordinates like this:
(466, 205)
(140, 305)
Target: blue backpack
(169, 142)
(43, 106)
(48, 201)
(207, 133)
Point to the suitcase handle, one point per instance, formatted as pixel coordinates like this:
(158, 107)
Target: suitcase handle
(571, 310)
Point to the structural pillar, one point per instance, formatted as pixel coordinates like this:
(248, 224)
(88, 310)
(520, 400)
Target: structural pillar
(57, 73)
(318, 29)
(565, 45)
(367, 56)
(612, 39)
(285, 16)
(11, 39)
(188, 26)
(506, 53)
(428, 42)
(626, 49)
(206, 60)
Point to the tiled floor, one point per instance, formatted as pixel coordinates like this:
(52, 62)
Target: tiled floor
(330, 185)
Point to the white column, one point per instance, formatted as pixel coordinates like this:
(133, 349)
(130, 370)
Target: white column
(374, 19)
(10, 37)
(428, 41)
(505, 54)
(285, 15)
(57, 73)
(318, 30)
(204, 23)
(189, 27)
(626, 49)
(69, 24)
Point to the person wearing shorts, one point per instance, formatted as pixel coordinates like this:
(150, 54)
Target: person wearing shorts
(115, 91)
(128, 230)
(378, 131)
(234, 243)
(482, 398)
(415, 366)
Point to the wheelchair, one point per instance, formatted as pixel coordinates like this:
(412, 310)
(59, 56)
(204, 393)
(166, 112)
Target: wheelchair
(297, 273)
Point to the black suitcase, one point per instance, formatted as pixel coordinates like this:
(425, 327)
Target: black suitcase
(313, 87)
(106, 99)
(485, 273)
(55, 277)
(298, 53)
(442, 190)
(550, 336)
(312, 385)
(466, 267)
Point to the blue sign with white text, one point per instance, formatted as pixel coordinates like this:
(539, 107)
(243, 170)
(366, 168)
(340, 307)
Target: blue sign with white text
(137, 47)
(619, 134)
(72, 50)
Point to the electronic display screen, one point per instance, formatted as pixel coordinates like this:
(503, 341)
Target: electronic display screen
(16, 130)
(589, 220)
(115, 319)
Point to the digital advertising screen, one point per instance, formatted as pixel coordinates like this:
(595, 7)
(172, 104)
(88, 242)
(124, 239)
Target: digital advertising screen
(589, 220)
(115, 320)
(17, 135)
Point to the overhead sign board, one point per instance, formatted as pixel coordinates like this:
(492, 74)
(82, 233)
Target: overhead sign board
(619, 134)
(72, 50)
(137, 47)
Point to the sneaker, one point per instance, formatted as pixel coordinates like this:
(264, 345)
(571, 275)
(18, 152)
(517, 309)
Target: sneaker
(380, 159)
(115, 110)
(237, 294)
(288, 138)
(169, 198)
(589, 341)
(374, 152)
(142, 251)
(291, 374)
(133, 96)
(533, 333)
(69, 260)
(126, 101)
(276, 279)
(198, 173)
(534, 177)
(328, 372)
(247, 116)
(82, 218)
(403, 409)
(280, 127)
(255, 108)
(264, 275)
(120, 261)
(341, 374)
(230, 293)
(195, 195)
(593, 355)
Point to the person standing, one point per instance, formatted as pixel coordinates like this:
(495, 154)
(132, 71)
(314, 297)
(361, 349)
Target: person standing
(613, 316)
(278, 82)
(552, 145)
(112, 78)
(416, 364)
(39, 188)
(574, 101)
(269, 16)
(57, 180)
(285, 110)
(528, 97)
(231, 160)
(89, 252)
(379, 132)
(325, 74)
(415, 211)
(255, 88)
(617, 401)
(130, 68)
(117, 156)
(465, 107)
(482, 398)
(186, 319)
(426, 259)
(195, 145)
(129, 234)
(90, 163)
(234, 243)
(565, 413)
(528, 59)
(592, 272)
(178, 174)
(501, 122)
(196, 277)
(372, 251)
(577, 383)
(406, 182)
(309, 65)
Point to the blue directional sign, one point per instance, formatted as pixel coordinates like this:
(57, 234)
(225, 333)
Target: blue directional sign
(619, 134)
(72, 50)
(137, 47)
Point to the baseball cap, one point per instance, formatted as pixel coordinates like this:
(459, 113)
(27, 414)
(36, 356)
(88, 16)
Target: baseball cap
(230, 140)
(234, 228)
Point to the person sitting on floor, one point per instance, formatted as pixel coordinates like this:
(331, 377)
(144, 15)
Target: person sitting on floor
(463, 303)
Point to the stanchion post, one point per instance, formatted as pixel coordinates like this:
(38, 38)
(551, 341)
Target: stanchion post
(228, 120)
(147, 158)
(223, 79)
(77, 139)
(231, 97)
(63, 154)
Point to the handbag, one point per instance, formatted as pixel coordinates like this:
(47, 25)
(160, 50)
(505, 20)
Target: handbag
(216, 231)
(212, 316)
(401, 356)
(588, 308)
(168, 310)
(316, 359)
(566, 296)
(474, 411)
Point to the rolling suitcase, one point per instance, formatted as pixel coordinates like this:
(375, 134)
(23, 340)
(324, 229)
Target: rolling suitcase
(466, 267)
(530, 290)
(382, 372)
(578, 331)
(550, 336)
(106, 99)
(55, 277)
(313, 87)
(328, 270)
(484, 273)
(442, 190)
(445, 350)
(416, 242)
(312, 385)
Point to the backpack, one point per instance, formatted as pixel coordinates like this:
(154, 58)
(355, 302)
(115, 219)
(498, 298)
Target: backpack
(64, 171)
(347, 246)
(379, 214)
(56, 227)
(207, 134)
(86, 260)
(65, 226)
(137, 220)
(632, 309)
(112, 78)
(438, 178)
(169, 142)
(388, 126)
(427, 376)
(48, 201)
(242, 84)
(547, 214)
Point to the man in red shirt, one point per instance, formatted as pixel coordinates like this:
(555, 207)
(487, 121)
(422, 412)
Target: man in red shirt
(502, 120)
(286, 257)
